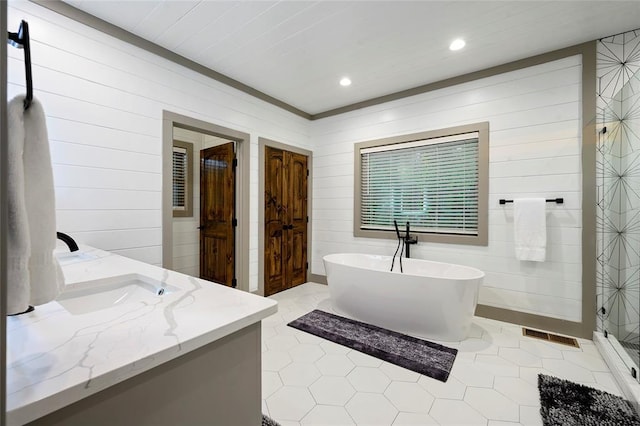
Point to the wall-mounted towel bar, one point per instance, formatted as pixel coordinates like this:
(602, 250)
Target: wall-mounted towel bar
(548, 200)
(21, 41)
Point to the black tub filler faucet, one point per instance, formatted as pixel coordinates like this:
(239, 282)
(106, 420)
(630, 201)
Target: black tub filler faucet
(405, 241)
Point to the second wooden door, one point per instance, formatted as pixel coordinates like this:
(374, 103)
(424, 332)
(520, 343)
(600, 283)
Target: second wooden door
(286, 218)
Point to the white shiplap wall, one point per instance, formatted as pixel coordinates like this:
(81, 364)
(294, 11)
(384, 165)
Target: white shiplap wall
(104, 100)
(535, 120)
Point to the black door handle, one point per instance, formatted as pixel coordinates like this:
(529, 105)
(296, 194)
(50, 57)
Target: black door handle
(285, 227)
(200, 227)
(290, 226)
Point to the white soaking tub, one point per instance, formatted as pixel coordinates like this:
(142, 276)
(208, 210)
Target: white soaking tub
(430, 300)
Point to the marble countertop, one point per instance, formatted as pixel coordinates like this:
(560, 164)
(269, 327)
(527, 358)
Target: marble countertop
(56, 357)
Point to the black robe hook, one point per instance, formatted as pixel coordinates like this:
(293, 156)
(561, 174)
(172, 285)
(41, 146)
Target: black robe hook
(21, 40)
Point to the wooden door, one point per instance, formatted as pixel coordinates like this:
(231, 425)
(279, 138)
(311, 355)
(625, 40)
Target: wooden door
(217, 211)
(297, 219)
(285, 213)
(275, 221)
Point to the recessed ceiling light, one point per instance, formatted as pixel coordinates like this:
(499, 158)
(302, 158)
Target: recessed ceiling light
(457, 44)
(345, 81)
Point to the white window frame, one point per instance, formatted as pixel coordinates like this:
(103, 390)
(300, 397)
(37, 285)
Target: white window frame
(423, 138)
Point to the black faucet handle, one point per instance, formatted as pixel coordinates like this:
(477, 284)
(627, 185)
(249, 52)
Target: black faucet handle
(395, 223)
(408, 239)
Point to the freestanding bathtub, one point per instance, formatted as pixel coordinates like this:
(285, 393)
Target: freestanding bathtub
(431, 300)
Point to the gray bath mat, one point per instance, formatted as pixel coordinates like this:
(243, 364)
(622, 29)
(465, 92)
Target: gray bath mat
(566, 403)
(415, 354)
(268, 421)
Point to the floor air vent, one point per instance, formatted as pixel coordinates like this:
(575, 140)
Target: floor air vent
(569, 341)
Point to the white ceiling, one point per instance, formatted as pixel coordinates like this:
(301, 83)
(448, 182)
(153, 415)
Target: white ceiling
(297, 51)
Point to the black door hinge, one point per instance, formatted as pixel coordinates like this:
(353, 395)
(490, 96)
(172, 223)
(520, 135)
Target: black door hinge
(307, 219)
(235, 163)
(634, 373)
(307, 265)
(307, 172)
(234, 222)
(234, 283)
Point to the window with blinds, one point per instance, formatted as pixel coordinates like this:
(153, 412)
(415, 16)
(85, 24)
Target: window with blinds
(179, 178)
(182, 179)
(434, 183)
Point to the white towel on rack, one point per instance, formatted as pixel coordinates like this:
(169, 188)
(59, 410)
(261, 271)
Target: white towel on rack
(35, 275)
(530, 228)
(18, 249)
(44, 270)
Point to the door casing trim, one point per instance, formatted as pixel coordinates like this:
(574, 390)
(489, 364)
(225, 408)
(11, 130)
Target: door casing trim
(171, 119)
(262, 143)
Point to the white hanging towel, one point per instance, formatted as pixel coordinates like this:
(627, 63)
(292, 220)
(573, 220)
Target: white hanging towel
(530, 228)
(34, 177)
(18, 292)
(45, 274)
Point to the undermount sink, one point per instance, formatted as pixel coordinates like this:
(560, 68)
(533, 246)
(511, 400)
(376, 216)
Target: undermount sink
(91, 296)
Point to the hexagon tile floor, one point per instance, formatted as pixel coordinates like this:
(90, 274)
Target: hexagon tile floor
(310, 381)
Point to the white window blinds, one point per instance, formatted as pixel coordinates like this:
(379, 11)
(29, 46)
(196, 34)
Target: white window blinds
(179, 178)
(432, 183)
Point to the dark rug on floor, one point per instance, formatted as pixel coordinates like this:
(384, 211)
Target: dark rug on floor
(268, 421)
(566, 403)
(421, 356)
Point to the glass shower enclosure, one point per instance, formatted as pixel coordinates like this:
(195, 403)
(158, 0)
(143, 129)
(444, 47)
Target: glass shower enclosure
(618, 195)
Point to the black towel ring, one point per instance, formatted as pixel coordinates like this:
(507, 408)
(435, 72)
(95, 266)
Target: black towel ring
(21, 41)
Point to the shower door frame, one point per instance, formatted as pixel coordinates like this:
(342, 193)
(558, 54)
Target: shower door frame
(618, 260)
